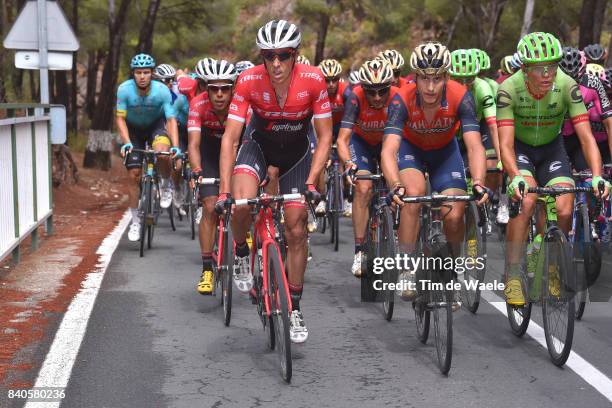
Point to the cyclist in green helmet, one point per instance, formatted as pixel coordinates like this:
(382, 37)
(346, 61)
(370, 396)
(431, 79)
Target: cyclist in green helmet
(531, 107)
(465, 67)
(485, 64)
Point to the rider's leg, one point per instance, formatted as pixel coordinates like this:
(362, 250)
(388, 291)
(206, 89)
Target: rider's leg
(362, 194)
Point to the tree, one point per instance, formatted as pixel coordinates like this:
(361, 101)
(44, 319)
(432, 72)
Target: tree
(527, 17)
(99, 144)
(587, 17)
(145, 40)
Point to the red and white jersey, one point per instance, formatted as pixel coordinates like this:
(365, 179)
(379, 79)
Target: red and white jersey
(306, 99)
(188, 86)
(203, 118)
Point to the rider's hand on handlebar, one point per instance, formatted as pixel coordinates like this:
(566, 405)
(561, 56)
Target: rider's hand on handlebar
(596, 182)
(222, 201)
(126, 149)
(513, 188)
(483, 192)
(350, 171)
(396, 194)
(311, 194)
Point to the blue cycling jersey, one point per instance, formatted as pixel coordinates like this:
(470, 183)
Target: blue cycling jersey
(181, 106)
(144, 111)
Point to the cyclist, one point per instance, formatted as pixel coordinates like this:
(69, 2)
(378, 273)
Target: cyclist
(284, 96)
(145, 116)
(207, 116)
(598, 107)
(331, 70)
(353, 80)
(166, 74)
(419, 136)
(595, 54)
(464, 68)
(396, 61)
(485, 64)
(302, 59)
(243, 66)
(360, 140)
(531, 106)
(506, 69)
(191, 86)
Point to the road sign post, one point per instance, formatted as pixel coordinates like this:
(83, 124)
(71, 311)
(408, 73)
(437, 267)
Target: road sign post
(42, 51)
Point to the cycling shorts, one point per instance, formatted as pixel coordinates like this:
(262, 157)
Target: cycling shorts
(548, 163)
(363, 154)
(210, 152)
(141, 138)
(576, 155)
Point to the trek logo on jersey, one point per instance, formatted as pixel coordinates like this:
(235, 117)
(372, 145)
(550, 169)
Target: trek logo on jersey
(276, 115)
(250, 77)
(554, 166)
(312, 75)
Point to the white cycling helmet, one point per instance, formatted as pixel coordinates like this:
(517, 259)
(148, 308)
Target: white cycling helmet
(219, 70)
(278, 34)
(200, 68)
(354, 77)
(243, 66)
(164, 71)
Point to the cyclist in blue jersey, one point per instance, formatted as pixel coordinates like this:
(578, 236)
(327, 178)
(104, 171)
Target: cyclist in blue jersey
(145, 115)
(166, 74)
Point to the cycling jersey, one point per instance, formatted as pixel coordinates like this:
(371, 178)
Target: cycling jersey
(403, 82)
(181, 105)
(407, 118)
(306, 99)
(337, 103)
(494, 85)
(538, 121)
(188, 86)
(144, 111)
(366, 122)
(347, 91)
(598, 107)
(202, 117)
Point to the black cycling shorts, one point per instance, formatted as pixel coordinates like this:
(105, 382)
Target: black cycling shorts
(548, 163)
(141, 138)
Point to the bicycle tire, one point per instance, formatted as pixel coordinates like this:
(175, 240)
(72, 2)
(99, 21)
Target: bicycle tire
(519, 318)
(583, 245)
(368, 294)
(336, 208)
(279, 302)
(227, 265)
(192, 211)
(581, 299)
(556, 257)
(143, 211)
(388, 248)
(442, 301)
(171, 216)
(474, 240)
(422, 315)
(154, 210)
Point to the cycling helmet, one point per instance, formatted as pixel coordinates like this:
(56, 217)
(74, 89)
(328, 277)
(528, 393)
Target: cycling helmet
(539, 47)
(278, 34)
(330, 68)
(595, 53)
(142, 61)
(219, 70)
(200, 69)
(354, 77)
(506, 66)
(395, 58)
(573, 62)
(430, 58)
(301, 59)
(164, 71)
(464, 63)
(375, 72)
(608, 81)
(516, 61)
(243, 66)
(483, 59)
(596, 70)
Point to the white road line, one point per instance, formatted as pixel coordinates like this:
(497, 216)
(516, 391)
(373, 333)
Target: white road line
(576, 363)
(57, 368)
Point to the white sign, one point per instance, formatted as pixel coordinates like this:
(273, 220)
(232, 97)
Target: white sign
(24, 34)
(31, 60)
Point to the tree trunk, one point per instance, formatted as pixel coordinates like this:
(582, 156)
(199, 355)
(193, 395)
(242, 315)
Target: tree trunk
(33, 86)
(527, 17)
(74, 114)
(63, 166)
(600, 12)
(61, 88)
(321, 36)
(451, 30)
(99, 145)
(93, 64)
(145, 40)
(587, 16)
(496, 13)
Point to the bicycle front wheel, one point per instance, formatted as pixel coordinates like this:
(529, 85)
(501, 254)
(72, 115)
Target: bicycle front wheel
(558, 304)
(388, 249)
(474, 247)
(279, 303)
(144, 210)
(442, 306)
(227, 257)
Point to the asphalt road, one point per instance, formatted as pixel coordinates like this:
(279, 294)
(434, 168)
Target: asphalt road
(153, 341)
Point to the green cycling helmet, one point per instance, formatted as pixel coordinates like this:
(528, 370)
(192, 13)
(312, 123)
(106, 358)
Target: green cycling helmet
(464, 63)
(539, 47)
(483, 59)
(142, 61)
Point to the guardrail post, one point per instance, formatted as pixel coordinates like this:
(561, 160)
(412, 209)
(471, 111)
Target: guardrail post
(35, 241)
(16, 251)
(49, 222)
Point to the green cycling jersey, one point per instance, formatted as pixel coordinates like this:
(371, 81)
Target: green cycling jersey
(538, 122)
(484, 99)
(494, 85)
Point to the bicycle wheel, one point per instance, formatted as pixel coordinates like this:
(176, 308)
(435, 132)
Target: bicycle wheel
(368, 294)
(144, 210)
(226, 271)
(388, 249)
(558, 305)
(192, 214)
(154, 210)
(474, 247)
(171, 216)
(442, 306)
(519, 318)
(422, 315)
(336, 208)
(279, 303)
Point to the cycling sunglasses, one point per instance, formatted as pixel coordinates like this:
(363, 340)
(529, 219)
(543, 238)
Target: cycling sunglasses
(372, 92)
(223, 88)
(550, 69)
(282, 56)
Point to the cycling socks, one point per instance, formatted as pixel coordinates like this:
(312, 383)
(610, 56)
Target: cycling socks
(296, 294)
(358, 245)
(207, 260)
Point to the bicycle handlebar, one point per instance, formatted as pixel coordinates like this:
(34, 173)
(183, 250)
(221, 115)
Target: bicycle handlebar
(266, 199)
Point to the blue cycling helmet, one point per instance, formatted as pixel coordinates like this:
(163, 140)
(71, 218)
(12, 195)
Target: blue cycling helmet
(142, 61)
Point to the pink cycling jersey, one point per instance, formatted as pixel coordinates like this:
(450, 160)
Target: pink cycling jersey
(598, 108)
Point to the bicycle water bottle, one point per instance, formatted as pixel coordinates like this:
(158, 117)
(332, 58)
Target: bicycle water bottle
(533, 249)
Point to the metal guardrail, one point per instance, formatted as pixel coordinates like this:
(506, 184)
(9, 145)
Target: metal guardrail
(26, 200)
